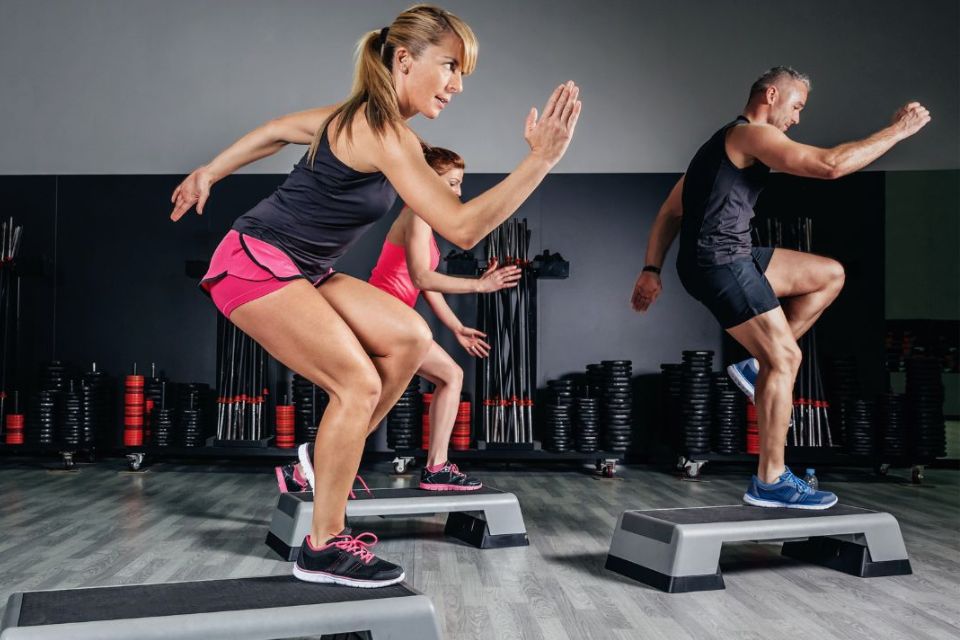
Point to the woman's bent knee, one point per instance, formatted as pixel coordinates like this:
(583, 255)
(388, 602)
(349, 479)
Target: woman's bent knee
(453, 376)
(416, 338)
(358, 391)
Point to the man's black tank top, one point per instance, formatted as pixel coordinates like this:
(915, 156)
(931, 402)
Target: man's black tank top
(718, 201)
(319, 212)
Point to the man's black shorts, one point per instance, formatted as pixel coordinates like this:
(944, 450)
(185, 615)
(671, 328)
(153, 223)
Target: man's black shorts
(734, 292)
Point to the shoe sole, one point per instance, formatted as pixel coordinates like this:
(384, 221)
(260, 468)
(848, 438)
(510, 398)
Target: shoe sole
(319, 577)
(306, 464)
(281, 483)
(757, 502)
(448, 487)
(741, 382)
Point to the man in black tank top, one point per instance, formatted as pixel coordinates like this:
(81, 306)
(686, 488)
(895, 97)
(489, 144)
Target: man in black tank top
(765, 298)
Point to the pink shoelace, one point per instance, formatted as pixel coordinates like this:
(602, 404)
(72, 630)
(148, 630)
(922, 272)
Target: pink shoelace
(356, 546)
(353, 496)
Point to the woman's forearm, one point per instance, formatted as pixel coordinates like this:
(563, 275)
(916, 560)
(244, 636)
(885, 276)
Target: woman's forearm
(442, 310)
(260, 143)
(487, 211)
(430, 280)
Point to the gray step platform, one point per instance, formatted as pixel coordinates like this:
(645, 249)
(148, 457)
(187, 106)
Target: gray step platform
(678, 550)
(485, 518)
(239, 609)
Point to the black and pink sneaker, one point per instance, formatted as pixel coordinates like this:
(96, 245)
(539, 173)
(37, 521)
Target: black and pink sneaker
(447, 477)
(305, 469)
(289, 479)
(305, 456)
(346, 560)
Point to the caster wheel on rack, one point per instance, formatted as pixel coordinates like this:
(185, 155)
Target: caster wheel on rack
(916, 475)
(402, 464)
(607, 467)
(883, 469)
(135, 461)
(691, 468)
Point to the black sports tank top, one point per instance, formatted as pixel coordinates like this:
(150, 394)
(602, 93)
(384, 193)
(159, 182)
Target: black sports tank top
(718, 201)
(320, 211)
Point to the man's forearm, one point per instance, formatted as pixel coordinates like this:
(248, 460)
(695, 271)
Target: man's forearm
(850, 157)
(665, 229)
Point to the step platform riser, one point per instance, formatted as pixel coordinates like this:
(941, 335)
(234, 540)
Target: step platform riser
(678, 550)
(489, 519)
(219, 609)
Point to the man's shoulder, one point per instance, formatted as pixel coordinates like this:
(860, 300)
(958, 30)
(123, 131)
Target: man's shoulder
(749, 134)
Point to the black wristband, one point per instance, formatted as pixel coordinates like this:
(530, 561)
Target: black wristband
(652, 269)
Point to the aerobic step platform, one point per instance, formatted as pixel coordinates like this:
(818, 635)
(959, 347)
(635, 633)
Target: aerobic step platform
(678, 550)
(485, 518)
(240, 609)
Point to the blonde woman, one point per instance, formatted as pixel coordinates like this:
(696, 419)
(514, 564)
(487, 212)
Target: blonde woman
(406, 267)
(273, 277)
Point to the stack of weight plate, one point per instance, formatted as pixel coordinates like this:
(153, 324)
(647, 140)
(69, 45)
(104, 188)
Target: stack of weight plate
(152, 397)
(42, 418)
(893, 346)
(558, 425)
(891, 426)
(54, 377)
(161, 420)
(405, 419)
(70, 417)
(925, 393)
(695, 403)
(310, 402)
(616, 404)
(594, 379)
(560, 392)
(729, 415)
(587, 425)
(192, 398)
(842, 387)
(95, 403)
(858, 422)
(460, 437)
(671, 399)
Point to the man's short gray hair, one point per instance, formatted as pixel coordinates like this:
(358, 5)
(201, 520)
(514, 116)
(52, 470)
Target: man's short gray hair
(771, 76)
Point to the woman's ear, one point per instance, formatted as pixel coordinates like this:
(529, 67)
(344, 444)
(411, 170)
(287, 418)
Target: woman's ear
(402, 59)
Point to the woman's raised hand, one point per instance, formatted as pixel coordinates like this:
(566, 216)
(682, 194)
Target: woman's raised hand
(550, 135)
(193, 191)
(497, 277)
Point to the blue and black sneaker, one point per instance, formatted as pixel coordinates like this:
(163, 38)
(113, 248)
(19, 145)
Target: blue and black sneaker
(744, 375)
(789, 492)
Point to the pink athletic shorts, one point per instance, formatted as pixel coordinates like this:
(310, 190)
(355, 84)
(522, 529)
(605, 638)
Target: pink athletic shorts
(243, 269)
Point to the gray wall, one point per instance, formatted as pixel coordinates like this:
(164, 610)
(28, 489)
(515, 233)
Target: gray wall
(158, 86)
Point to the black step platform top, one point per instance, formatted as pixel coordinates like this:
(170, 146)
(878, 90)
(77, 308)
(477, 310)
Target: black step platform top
(744, 513)
(380, 494)
(402, 492)
(179, 598)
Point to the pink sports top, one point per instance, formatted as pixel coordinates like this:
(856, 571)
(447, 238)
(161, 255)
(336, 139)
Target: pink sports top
(391, 273)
